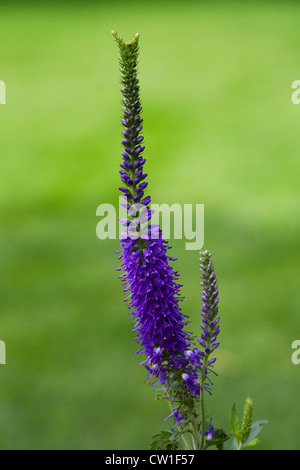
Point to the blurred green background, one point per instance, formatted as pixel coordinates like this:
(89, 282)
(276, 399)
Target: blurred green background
(220, 129)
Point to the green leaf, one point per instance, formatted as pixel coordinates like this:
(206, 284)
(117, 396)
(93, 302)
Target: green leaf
(255, 430)
(164, 440)
(252, 443)
(234, 445)
(234, 421)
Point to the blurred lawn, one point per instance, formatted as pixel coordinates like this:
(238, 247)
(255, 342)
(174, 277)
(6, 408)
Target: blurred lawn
(220, 129)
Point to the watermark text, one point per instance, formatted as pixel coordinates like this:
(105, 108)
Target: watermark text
(296, 354)
(2, 92)
(138, 221)
(2, 353)
(296, 94)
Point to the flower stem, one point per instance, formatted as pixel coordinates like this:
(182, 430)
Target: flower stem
(202, 404)
(195, 434)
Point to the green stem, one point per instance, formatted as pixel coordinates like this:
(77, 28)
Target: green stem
(195, 434)
(202, 404)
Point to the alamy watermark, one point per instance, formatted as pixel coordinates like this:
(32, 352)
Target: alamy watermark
(296, 94)
(2, 353)
(2, 92)
(138, 221)
(296, 354)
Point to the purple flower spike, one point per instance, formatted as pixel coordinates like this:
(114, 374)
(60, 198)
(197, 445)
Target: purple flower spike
(210, 309)
(148, 277)
(155, 301)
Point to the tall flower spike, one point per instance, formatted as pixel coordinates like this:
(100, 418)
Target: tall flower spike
(210, 309)
(132, 166)
(149, 280)
(211, 330)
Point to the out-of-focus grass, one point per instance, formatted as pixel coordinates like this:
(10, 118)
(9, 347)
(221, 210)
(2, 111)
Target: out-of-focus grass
(220, 129)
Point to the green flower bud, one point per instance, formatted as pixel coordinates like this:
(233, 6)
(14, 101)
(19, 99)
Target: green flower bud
(247, 419)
